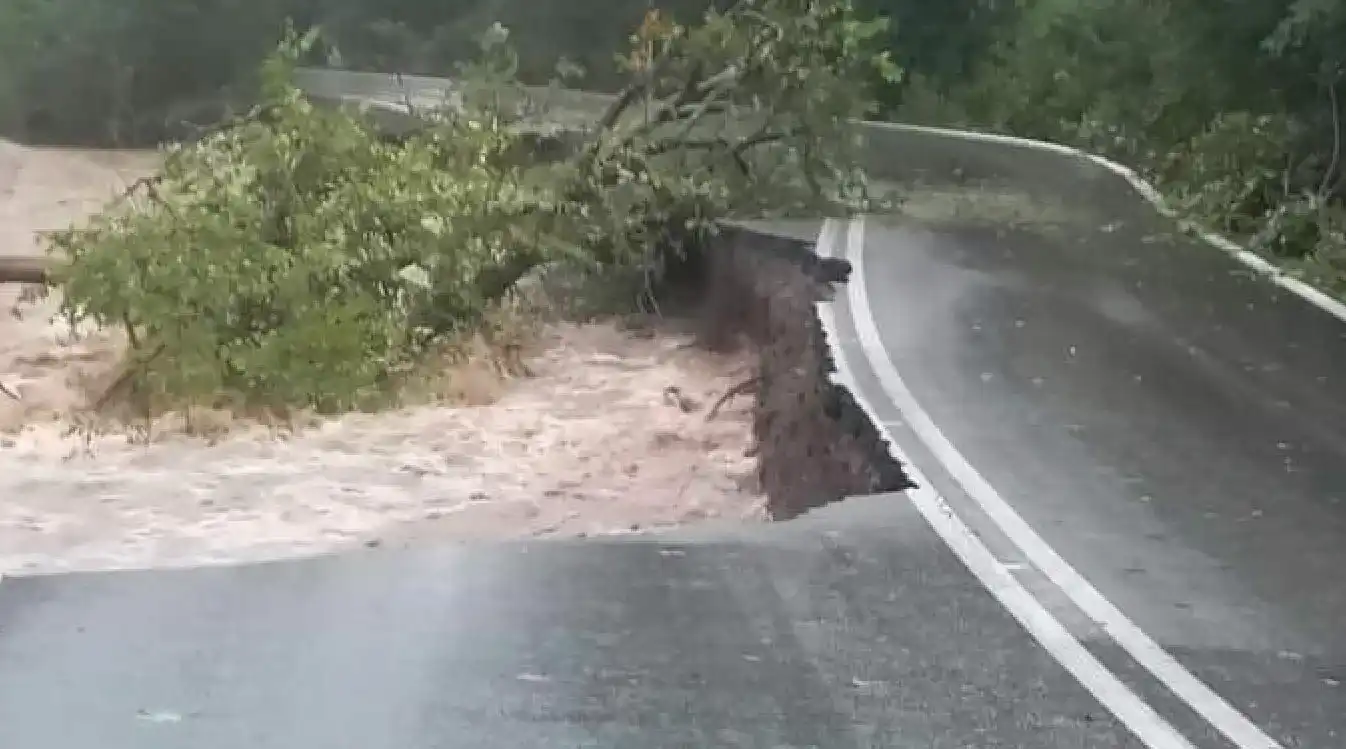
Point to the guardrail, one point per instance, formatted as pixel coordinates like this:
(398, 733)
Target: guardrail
(904, 154)
(388, 94)
(915, 155)
(897, 152)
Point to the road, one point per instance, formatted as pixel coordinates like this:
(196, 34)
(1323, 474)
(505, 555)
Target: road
(1152, 437)
(1129, 533)
(852, 628)
(1119, 401)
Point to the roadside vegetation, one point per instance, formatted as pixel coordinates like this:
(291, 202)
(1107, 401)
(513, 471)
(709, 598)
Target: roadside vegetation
(288, 257)
(1233, 109)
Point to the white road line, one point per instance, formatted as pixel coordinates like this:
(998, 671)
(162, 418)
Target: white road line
(1115, 696)
(1164, 667)
(1151, 194)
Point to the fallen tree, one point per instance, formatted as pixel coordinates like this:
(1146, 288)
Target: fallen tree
(294, 258)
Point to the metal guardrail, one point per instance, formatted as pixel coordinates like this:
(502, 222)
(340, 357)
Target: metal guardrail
(329, 83)
(388, 94)
(896, 152)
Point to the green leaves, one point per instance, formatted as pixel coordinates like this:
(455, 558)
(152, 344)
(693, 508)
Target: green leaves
(741, 115)
(293, 258)
(1232, 108)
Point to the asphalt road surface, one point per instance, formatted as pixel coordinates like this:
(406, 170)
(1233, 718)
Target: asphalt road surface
(854, 628)
(1159, 419)
(1130, 531)
(1152, 438)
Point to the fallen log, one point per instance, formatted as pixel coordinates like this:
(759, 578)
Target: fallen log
(24, 269)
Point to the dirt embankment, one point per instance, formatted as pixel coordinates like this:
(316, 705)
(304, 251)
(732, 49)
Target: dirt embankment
(814, 444)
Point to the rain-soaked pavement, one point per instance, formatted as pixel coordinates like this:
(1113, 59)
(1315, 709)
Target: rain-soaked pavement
(854, 628)
(1167, 424)
(1170, 424)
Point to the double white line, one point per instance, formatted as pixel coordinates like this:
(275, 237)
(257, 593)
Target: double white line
(1139, 717)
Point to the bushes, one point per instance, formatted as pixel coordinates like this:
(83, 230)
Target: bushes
(293, 258)
(1232, 108)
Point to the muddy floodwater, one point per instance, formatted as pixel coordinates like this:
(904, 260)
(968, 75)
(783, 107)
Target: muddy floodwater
(610, 435)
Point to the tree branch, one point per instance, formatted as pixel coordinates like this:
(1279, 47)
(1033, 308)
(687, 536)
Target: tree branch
(737, 149)
(1325, 189)
(24, 269)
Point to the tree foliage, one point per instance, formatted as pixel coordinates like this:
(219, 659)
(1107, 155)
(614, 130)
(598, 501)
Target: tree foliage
(137, 71)
(293, 257)
(126, 72)
(1232, 107)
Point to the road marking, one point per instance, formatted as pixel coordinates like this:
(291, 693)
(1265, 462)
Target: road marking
(1151, 195)
(1133, 712)
(1235, 726)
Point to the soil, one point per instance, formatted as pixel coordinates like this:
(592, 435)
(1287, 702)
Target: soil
(610, 435)
(815, 444)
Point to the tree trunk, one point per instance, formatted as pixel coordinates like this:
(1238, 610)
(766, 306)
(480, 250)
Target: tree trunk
(20, 269)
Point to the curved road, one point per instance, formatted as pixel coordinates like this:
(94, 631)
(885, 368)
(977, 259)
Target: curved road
(1162, 425)
(1152, 439)
(1131, 532)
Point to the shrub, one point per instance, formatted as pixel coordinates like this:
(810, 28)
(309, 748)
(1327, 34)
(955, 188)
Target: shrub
(294, 258)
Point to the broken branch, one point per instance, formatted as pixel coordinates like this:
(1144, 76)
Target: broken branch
(25, 269)
(750, 385)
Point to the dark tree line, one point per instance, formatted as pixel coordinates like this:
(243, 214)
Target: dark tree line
(1233, 106)
(127, 72)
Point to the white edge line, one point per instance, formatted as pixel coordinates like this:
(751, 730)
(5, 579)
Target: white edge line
(1309, 293)
(1133, 712)
(1163, 666)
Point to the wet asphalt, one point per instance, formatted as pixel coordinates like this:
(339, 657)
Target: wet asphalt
(1164, 420)
(1174, 426)
(852, 628)
(1171, 425)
